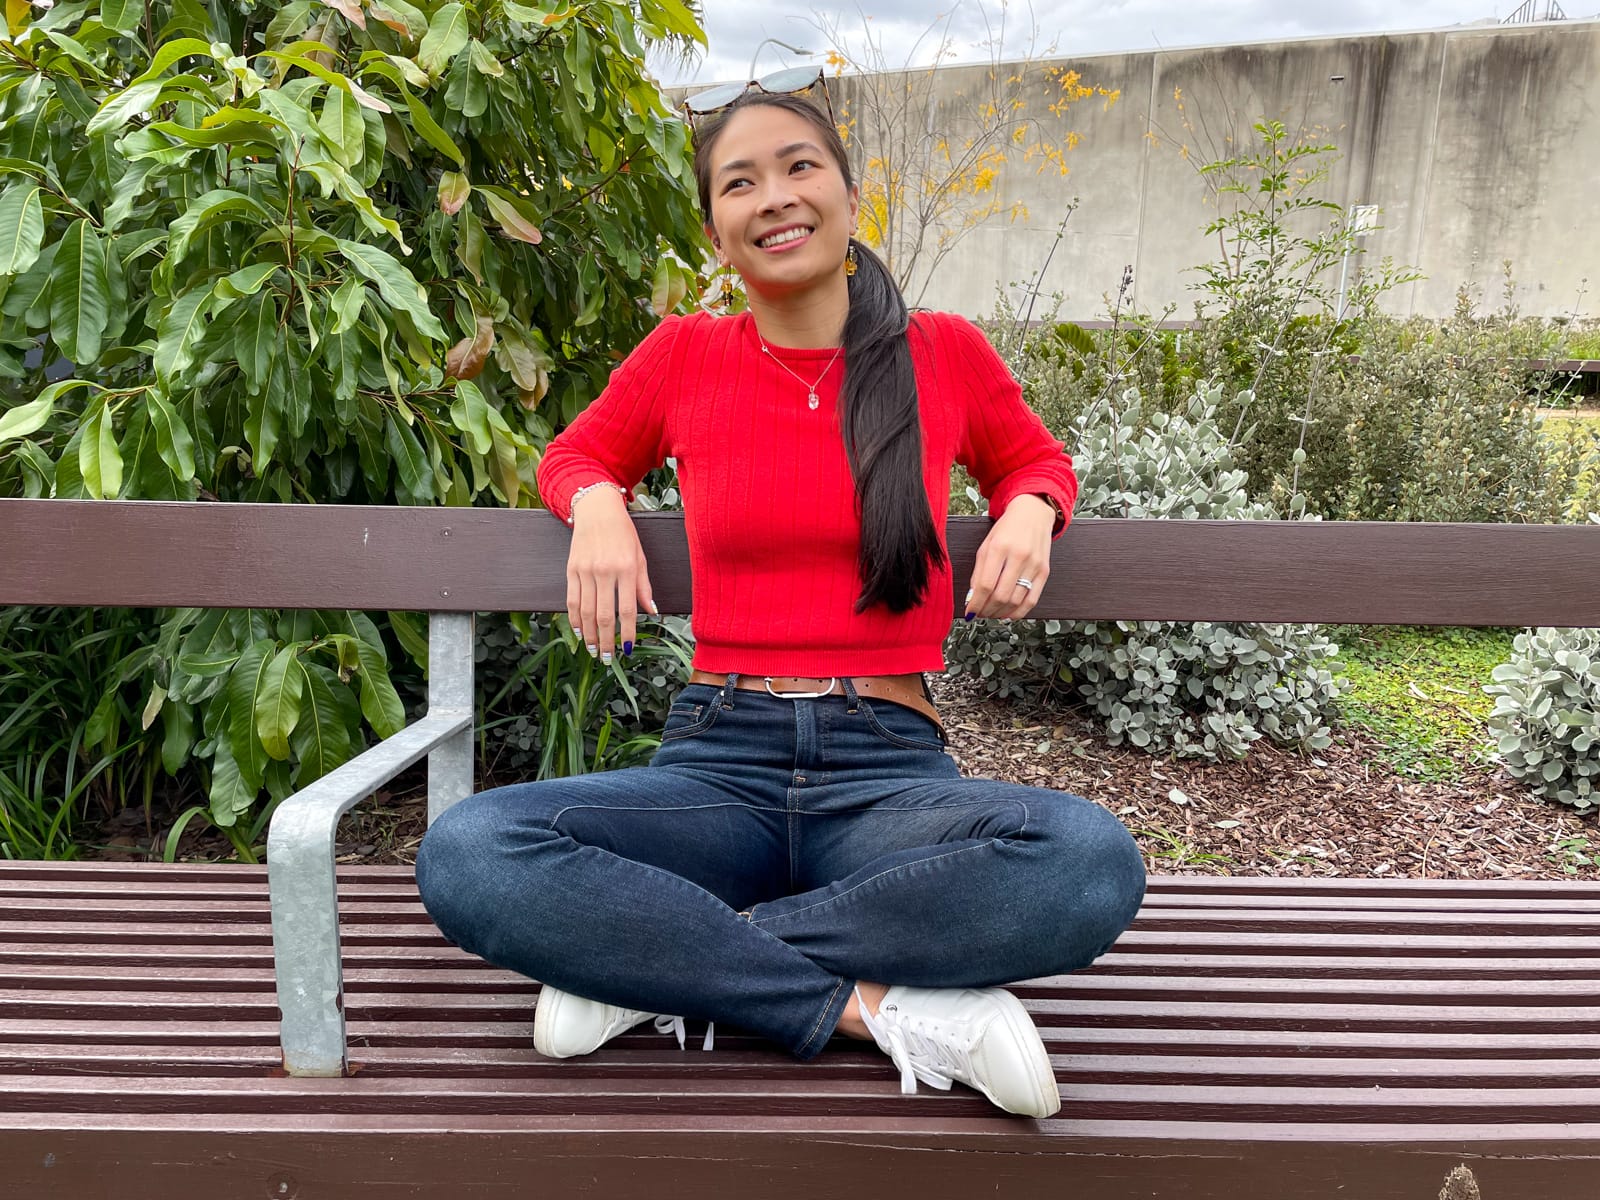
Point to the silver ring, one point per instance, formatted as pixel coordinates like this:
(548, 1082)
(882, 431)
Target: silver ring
(1027, 583)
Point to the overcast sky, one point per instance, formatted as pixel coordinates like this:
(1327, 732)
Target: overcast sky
(735, 28)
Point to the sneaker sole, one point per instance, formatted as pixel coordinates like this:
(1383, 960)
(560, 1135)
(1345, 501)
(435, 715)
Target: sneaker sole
(1042, 1074)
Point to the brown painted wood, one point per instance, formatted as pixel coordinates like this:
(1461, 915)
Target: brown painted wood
(354, 1159)
(335, 556)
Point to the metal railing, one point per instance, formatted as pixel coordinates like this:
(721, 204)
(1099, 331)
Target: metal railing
(1528, 12)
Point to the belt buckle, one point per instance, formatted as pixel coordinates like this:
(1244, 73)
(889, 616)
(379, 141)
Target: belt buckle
(767, 683)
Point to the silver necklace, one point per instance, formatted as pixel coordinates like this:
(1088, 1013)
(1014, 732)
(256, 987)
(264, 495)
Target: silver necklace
(812, 399)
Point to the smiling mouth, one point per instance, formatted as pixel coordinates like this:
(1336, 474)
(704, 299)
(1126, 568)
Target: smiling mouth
(785, 237)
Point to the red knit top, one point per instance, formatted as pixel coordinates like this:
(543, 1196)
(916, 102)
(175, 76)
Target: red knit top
(768, 497)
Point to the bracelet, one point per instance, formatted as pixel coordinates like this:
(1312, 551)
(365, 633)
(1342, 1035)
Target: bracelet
(586, 489)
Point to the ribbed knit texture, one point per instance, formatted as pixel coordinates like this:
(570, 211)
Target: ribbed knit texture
(768, 497)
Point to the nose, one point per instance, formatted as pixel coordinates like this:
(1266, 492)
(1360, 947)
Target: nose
(777, 196)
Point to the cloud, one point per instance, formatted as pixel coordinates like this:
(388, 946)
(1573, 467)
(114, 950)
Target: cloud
(736, 28)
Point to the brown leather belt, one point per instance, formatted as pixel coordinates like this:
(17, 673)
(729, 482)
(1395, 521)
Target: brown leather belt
(905, 690)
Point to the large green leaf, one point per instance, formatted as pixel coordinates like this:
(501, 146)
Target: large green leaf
(321, 739)
(21, 228)
(342, 125)
(220, 204)
(245, 681)
(278, 702)
(118, 110)
(80, 293)
(173, 440)
(447, 36)
(121, 15)
(29, 418)
(183, 323)
(395, 284)
(380, 703)
(416, 481)
(258, 339)
(99, 458)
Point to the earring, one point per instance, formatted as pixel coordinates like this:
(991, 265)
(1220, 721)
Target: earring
(850, 260)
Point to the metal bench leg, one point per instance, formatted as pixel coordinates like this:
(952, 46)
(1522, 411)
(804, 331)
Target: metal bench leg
(450, 687)
(300, 844)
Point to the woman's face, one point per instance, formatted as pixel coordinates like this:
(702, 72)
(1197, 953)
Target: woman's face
(781, 214)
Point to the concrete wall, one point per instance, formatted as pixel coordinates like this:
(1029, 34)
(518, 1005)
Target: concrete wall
(1480, 144)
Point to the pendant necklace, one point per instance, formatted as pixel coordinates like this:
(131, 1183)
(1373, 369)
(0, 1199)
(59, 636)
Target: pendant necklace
(812, 399)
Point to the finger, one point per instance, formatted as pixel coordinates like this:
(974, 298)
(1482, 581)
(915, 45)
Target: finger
(628, 612)
(647, 601)
(586, 610)
(575, 604)
(605, 625)
(1021, 599)
(982, 586)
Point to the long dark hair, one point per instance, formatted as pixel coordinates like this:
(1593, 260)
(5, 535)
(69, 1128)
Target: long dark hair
(878, 404)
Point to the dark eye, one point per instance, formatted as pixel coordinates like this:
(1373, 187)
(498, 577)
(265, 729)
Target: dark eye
(733, 183)
(801, 162)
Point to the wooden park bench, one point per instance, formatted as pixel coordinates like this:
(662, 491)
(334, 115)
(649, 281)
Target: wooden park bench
(1281, 1039)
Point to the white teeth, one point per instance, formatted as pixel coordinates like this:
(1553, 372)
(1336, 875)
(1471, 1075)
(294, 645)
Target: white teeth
(788, 235)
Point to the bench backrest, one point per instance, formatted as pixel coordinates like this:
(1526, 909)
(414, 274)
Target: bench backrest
(152, 553)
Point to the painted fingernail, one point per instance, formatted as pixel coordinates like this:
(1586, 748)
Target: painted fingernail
(969, 593)
(627, 647)
(593, 649)
(577, 633)
(606, 658)
(970, 615)
(654, 609)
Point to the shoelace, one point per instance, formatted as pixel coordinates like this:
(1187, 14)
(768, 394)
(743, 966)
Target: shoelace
(922, 1049)
(674, 1025)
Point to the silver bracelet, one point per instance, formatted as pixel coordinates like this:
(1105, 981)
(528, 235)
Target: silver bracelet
(587, 488)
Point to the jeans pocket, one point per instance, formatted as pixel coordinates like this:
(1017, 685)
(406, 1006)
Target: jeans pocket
(689, 718)
(903, 727)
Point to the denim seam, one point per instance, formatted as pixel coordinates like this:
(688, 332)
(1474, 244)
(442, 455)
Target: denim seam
(821, 1017)
(896, 739)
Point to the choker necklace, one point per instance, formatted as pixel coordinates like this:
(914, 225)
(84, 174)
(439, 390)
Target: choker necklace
(812, 399)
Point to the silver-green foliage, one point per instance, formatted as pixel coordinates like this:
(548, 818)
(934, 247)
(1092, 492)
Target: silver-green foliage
(1200, 689)
(1546, 716)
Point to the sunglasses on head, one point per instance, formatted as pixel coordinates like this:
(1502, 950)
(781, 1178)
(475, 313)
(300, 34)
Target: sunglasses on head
(788, 81)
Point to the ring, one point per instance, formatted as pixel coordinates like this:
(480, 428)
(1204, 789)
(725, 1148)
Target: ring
(1027, 583)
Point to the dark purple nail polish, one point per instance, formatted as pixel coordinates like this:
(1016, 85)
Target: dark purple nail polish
(971, 615)
(627, 647)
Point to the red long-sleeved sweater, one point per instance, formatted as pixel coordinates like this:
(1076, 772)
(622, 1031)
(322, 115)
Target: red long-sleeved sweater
(768, 496)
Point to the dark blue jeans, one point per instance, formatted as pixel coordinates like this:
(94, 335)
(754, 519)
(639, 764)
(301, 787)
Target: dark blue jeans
(772, 853)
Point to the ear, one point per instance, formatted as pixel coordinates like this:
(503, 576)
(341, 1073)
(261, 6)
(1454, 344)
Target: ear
(855, 206)
(716, 244)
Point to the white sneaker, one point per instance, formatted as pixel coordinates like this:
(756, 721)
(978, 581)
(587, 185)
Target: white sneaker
(565, 1025)
(981, 1037)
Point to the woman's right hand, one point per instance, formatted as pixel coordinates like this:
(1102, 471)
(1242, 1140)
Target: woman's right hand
(608, 581)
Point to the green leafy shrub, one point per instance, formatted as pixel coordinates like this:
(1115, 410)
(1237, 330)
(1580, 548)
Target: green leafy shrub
(310, 252)
(1200, 689)
(1444, 423)
(1546, 716)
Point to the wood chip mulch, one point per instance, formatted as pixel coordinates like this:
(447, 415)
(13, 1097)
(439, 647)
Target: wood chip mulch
(1339, 811)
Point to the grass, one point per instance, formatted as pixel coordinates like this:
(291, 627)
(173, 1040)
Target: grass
(1419, 691)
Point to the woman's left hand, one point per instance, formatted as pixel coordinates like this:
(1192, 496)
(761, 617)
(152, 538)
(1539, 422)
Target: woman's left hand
(1018, 547)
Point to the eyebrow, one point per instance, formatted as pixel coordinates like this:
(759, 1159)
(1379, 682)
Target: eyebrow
(789, 151)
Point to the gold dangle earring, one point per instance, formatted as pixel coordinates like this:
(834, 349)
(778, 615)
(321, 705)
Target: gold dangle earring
(850, 259)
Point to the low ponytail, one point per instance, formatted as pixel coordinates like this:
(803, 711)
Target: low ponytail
(882, 426)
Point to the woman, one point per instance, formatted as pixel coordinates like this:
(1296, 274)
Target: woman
(801, 857)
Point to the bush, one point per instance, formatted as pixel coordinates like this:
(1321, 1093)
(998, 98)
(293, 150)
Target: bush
(309, 252)
(1200, 689)
(1546, 716)
(1443, 423)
